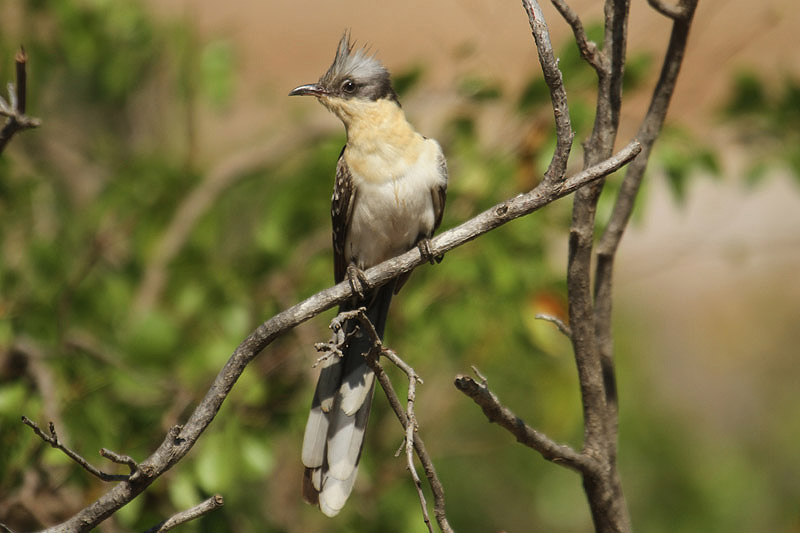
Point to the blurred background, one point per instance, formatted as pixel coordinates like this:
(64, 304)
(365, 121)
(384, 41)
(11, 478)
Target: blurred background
(175, 197)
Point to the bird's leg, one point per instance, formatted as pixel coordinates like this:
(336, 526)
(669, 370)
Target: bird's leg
(424, 246)
(357, 279)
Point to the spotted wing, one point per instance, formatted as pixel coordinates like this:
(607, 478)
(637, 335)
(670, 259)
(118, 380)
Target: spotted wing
(341, 212)
(439, 194)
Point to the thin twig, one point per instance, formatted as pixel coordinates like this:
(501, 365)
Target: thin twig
(182, 517)
(683, 10)
(419, 447)
(558, 94)
(411, 425)
(120, 459)
(22, 80)
(407, 418)
(53, 441)
(499, 414)
(562, 327)
(587, 48)
(14, 109)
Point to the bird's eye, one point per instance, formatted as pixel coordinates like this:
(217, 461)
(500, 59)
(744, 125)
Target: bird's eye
(348, 86)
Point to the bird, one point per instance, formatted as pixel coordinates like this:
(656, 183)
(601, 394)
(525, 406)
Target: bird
(388, 197)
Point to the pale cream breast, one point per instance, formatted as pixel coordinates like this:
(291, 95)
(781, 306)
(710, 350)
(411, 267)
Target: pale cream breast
(393, 211)
(394, 170)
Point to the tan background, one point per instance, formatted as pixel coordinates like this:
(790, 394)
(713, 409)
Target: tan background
(716, 279)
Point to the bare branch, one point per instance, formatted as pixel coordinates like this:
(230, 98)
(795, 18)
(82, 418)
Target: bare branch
(197, 511)
(419, 447)
(407, 418)
(563, 328)
(606, 251)
(14, 109)
(120, 459)
(682, 11)
(499, 414)
(587, 48)
(411, 426)
(595, 375)
(53, 441)
(22, 80)
(558, 95)
(648, 131)
(599, 423)
(590, 310)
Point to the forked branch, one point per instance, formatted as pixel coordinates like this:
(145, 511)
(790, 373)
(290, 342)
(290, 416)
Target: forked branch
(53, 440)
(14, 108)
(412, 441)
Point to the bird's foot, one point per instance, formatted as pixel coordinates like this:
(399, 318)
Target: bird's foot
(424, 246)
(358, 281)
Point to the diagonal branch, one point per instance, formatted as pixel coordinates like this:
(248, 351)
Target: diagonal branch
(587, 48)
(558, 95)
(562, 327)
(503, 416)
(52, 440)
(412, 440)
(182, 517)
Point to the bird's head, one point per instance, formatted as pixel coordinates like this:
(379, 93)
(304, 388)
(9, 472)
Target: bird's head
(354, 81)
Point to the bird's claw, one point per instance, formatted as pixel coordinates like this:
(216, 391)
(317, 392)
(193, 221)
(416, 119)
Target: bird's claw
(358, 281)
(424, 247)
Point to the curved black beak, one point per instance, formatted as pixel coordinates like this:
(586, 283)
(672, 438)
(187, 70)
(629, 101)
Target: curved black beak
(313, 89)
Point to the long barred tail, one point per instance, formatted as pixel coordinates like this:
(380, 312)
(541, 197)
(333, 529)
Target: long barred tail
(336, 424)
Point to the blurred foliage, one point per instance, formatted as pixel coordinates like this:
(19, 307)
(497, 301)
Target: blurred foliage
(768, 121)
(85, 203)
(681, 157)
